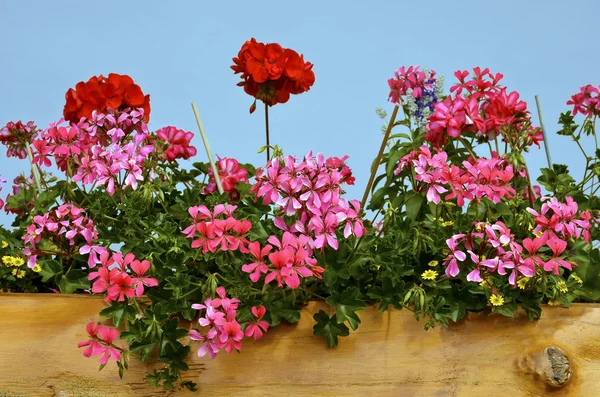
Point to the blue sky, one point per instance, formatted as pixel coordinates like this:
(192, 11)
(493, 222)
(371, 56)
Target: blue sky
(180, 52)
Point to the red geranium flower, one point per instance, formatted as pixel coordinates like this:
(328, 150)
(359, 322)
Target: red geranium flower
(100, 93)
(271, 73)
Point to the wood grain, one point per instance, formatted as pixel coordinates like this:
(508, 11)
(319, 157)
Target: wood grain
(389, 355)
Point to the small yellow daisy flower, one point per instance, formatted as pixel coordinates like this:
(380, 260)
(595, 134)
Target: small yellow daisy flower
(18, 261)
(4, 244)
(37, 268)
(7, 260)
(445, 251)
(429, 275)
(562, 286)
(496, 300)
(538, 235)
(433, 263)
(523, 282)
(20, 273)
(447, 223)
(577, 278)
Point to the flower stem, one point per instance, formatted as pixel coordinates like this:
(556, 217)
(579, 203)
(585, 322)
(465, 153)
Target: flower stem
(208, 151)
(267, 132)
(467, 146)
(546, 147)
(386, 137)
(34, 168)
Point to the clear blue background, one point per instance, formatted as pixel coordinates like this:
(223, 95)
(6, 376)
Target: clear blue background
(180, 52)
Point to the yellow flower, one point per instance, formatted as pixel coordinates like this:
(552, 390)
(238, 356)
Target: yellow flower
(496, 300)
(18, 261)
(523, 282)
(577, 278)
(21, 273)
(485, 283)
(7, 260)
(14, 272)
(445, 251)
(530, 228)
(4, 244)
(429, 275)
(447, 223)
(433, 263)
(538, 235)
(37, 268)
(562, 286)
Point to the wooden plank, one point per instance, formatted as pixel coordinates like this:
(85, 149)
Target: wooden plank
(389, 355)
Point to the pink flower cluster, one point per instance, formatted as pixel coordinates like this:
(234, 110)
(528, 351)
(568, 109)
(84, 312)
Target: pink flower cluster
(482, 106)
(292, 259)
(101, 342)
(217, 229)
(586, 101)
(125, 280)
(99, 150)
(492, 248)
(410, 79)
(225, 332)
(15, 137)
(311, 192)
(489, 178)
(67, 228)
(562, 220)
(177, 143)
(231, 174)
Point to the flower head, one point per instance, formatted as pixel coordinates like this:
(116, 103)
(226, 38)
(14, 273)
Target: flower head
(100, 93)
(271, 73)
(429, 275)
(496, 300)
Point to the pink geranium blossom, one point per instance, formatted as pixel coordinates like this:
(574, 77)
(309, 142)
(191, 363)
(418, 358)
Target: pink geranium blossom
(101, 342)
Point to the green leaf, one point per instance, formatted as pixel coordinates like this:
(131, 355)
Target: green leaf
(118, 312)
(329, 327)
(50, 269)
(72, 281)
(346, 304)
(413, 205)
(282, 309)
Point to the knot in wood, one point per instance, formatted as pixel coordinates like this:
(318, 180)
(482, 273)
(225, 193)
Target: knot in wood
(557, 369)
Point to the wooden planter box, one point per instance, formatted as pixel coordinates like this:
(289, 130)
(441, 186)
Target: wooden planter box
(389, 355)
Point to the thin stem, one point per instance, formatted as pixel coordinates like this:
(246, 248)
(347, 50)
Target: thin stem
(379, 155)
(208, 151)
(34, 168)
(267, 132)
(546, 147)
(466, 145)
(491, 150)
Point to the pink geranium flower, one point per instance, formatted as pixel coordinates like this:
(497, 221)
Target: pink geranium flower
(256, 329)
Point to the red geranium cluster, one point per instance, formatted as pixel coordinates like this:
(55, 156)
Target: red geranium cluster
(271, 73)
(99, 93)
